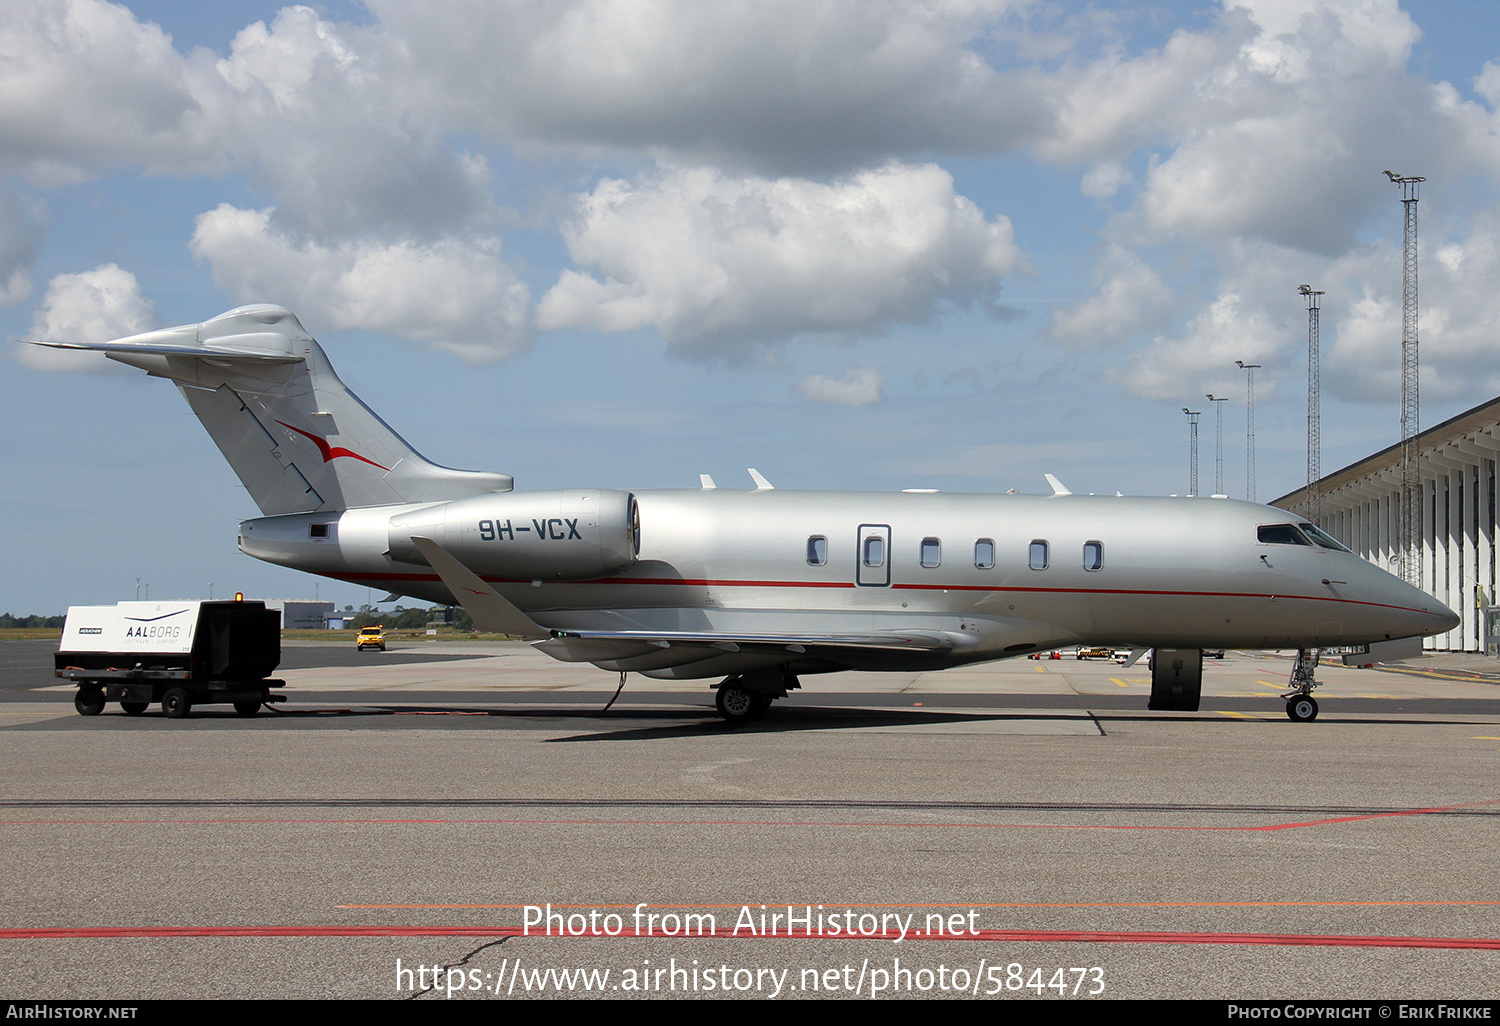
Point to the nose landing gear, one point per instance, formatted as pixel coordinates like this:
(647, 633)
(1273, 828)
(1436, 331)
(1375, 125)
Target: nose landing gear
(1301, 707)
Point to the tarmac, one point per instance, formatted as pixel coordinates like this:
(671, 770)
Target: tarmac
(458, 820)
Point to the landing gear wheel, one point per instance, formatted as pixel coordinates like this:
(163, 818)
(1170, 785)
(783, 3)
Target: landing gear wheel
(176, 703)
(739, 704)
(89, 701)
(249, 707)
(134, 708)
(1302, 709)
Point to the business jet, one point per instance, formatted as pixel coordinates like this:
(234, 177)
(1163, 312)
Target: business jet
(759, 588)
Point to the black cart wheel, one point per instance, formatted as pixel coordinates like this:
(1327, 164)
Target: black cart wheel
(134, 708)
(176, 703)
(1302, 709)
(249, 707)
(89, 701)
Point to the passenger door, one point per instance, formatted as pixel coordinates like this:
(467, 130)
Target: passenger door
(873, 556)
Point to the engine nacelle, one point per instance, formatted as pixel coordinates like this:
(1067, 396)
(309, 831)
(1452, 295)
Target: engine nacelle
(571, 535)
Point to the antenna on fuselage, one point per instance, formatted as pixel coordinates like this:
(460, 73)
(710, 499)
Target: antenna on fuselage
(761, 484)
(1057, 486)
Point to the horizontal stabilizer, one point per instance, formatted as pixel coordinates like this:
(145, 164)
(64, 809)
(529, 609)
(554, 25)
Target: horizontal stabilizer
(197, 352)
(490, 610)
(297, 438)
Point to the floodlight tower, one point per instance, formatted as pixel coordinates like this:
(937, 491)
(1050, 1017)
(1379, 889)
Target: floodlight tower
(1314, 408)
(1218, 401)
(1193, 416)
(1411, 482)
(1249, 369)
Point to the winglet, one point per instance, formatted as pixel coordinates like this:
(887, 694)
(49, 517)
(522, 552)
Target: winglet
(490, 610)
(761, 484)
(1057, 486)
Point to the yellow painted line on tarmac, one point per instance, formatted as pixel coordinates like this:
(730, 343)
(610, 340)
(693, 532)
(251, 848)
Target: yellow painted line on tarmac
(1120, 682)
(1237, 715)
(1412, 671)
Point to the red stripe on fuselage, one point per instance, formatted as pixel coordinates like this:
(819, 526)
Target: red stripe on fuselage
(365, 578)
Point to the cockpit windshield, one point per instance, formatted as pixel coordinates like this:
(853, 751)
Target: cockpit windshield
(1296, 534)
(1322, 537)
(1280, 534)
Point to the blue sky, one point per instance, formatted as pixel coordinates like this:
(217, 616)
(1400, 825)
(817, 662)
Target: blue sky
(618, 244)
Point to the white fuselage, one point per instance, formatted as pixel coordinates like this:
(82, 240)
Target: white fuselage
(1062, 570)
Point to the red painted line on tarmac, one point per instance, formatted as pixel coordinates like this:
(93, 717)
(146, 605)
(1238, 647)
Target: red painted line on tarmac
(1263, 828)
(324, 821)
(1011, 936)
(981, 904)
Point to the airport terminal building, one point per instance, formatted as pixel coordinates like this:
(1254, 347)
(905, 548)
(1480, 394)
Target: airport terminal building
(1360, 506)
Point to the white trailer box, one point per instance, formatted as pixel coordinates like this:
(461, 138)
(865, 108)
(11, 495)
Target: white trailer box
(175, 653)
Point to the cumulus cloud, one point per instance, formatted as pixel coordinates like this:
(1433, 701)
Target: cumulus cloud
(454, 294)
(1255, 314)
(1459, 322)
(1131, 298)
(1228, 329)
(92, 306)
(1266, 174)
(1305, 109)
(860, 386)
(87, 86)
(713, 261)
(321, 115)
(318, 113)
(783, 86)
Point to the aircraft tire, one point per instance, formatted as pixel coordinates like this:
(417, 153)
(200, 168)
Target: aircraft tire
(89, 701)
(176, 703)
(1302, 709)
(134, 708)
(249, 707)
(739, 704)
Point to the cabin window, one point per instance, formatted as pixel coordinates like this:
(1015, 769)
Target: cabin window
(817, 550)
(984, 553)
(1322, 537)
(874, 551)
(1093, 555)
(1039, 555)
(932, 552)
(1280, 534)
(317, 530)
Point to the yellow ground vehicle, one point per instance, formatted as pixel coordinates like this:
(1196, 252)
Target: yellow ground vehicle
(370, 637)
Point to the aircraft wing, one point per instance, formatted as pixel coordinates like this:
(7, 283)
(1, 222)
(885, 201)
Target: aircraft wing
(493, 612)
(731, 641)
(654, 650)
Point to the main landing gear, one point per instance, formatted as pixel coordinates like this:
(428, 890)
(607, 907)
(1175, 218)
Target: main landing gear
(744, 697)
(1301, 707)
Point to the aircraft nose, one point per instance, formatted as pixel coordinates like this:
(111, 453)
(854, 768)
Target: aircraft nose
(1416, 612)
(1448, 620)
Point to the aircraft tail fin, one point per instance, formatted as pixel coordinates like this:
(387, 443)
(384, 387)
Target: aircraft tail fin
(295, 434)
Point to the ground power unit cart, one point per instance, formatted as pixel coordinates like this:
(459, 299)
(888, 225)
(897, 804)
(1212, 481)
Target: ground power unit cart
(180, 654)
